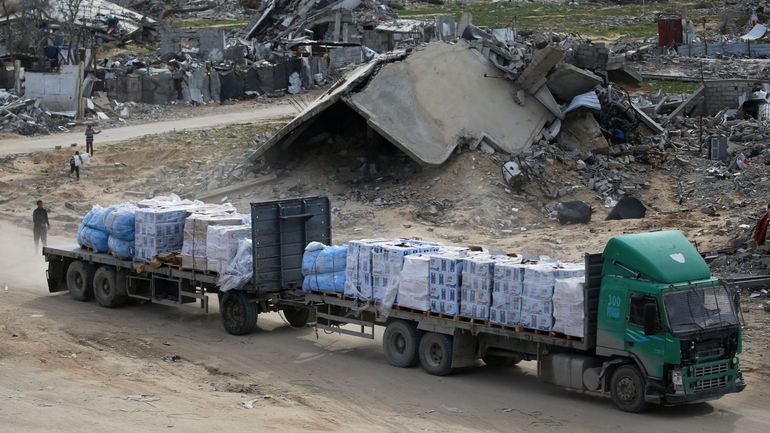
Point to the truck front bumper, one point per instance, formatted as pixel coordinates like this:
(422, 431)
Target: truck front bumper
(655, 396)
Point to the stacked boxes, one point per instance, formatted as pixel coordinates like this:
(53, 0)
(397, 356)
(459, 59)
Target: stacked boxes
(445, 274)
(478, 272)
(568, 308)
(387, 261)
(508, 285)
(414, 285)
(158, 230)
(195, 235)
(358, 270)
(536, 305)
(222, 245)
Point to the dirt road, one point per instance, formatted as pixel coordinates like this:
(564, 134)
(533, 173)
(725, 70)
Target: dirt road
(261, 113)
(76, 367)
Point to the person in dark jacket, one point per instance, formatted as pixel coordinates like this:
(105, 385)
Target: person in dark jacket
(90, 139)
(40, 225)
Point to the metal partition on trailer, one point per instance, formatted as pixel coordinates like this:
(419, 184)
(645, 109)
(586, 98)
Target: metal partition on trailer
(594, 265)
(280, 232)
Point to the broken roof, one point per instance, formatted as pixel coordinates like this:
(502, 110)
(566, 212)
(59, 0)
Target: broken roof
(425, 105)
(92, 14)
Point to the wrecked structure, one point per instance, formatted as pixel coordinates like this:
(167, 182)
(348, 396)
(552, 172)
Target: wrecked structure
(479, 91)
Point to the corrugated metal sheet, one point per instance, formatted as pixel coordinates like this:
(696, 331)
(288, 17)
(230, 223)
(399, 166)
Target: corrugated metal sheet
(756, 32)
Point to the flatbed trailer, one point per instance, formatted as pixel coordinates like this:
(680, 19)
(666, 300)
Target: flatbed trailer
(630, 348)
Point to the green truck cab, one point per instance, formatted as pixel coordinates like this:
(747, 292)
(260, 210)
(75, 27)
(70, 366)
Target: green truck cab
(666, 328)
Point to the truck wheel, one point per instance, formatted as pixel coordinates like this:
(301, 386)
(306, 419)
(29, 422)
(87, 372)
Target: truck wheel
(297, 317)
(239, 313)
(400, 343)
(627, 388)
(436, 353)
(495, 361)
(107, 291)
(80, 279)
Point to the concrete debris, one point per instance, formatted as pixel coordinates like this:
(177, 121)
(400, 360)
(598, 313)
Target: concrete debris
(627, 208)
(574, 212)
(26, 116)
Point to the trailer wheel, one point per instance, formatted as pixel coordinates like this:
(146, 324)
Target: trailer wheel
(495, 361)
(436, 353)
(239, 313)
(80, 278)
(107, 291)
(627, 387)
(297, 317)
(401, 342)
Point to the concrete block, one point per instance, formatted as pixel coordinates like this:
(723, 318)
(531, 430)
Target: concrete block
(568, 81)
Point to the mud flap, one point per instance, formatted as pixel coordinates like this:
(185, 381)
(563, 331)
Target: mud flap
(464, 349)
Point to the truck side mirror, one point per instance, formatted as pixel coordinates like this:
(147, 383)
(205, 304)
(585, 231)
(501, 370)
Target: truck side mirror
(650, 318)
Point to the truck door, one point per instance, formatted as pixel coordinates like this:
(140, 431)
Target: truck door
(649, 349)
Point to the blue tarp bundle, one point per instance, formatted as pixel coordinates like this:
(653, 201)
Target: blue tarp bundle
(324, 268)
(109, 229)
(324, 261)
(334, 282)
(120, 248)
(120, 222)
(92, 238)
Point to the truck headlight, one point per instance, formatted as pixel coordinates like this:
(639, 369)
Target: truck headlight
(677, 380)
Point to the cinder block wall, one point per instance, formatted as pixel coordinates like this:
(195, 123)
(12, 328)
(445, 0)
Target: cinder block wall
(722, 94)
(58, 91)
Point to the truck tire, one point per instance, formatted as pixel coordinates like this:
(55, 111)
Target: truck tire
(80, 280)
(297, 317)
(496, 361)
(436, 353)
(107, 289)
(627, 387)
(239, 313)
(401, 342)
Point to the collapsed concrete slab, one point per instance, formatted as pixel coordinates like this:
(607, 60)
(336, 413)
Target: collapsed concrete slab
(568, 81)
(427, 104)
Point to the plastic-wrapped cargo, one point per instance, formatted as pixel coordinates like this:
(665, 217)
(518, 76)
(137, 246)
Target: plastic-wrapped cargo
(568, 306)
(196, 232)
(446, 269)
(222, 245)
(96, 240)
(120, 248)
(238, 271)
(358, 270)
(414, 285)
(570, 270)
(542, 322)
(387, 262)
(539, 280)
(508, 285)
(120, 221)
(158, 230)
(333, 282)
(322, 259)
(478, 271)
(324, 268)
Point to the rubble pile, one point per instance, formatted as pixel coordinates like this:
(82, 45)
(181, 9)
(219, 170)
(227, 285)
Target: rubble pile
(26, 116)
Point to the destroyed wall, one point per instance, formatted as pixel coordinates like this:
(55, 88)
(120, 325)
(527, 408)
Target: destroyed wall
(721, 94)
(57, 91)
(208, 43)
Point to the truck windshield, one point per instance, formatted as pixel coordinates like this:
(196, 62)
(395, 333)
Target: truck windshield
(699, 309)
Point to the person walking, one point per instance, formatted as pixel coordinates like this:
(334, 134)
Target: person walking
(40, 225)
(90, 139)
(75, 163)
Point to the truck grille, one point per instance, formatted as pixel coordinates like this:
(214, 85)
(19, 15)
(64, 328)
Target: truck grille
(710, 369)
(706, 384)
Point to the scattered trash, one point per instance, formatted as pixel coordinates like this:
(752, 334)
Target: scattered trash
(172, 358)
